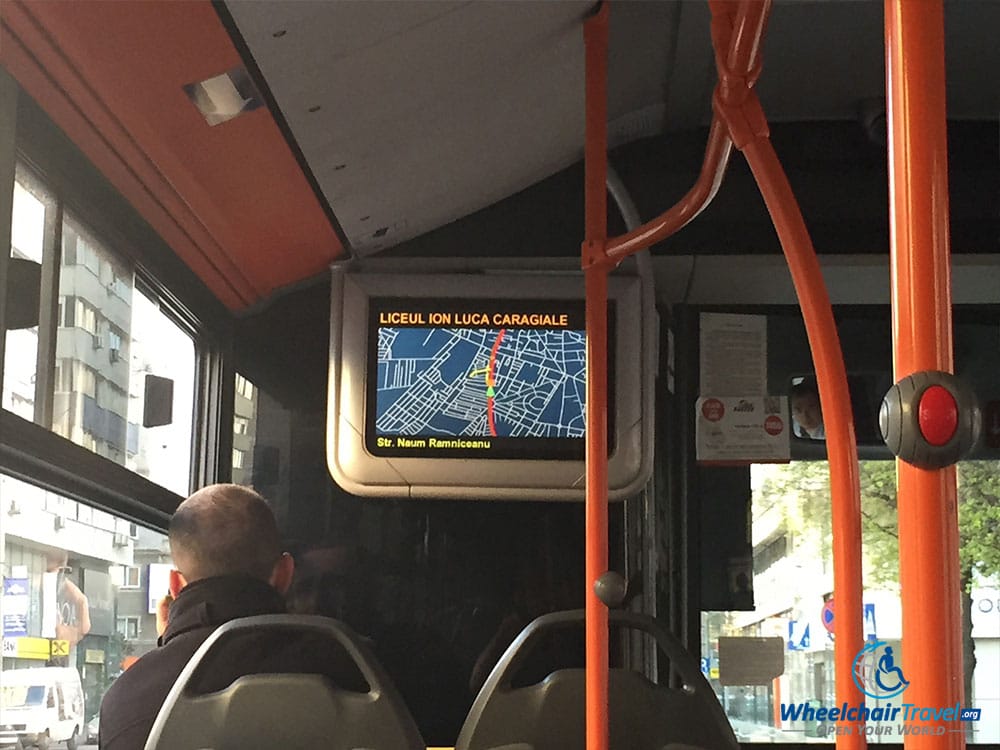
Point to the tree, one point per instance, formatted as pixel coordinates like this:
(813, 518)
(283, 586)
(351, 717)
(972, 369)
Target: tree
(802, 489)
(979, 544)
(979, 517)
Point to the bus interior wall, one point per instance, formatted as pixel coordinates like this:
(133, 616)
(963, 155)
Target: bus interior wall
(431, 570)
(447, 575)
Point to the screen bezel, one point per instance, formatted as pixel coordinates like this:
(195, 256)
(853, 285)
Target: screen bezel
(357, 470)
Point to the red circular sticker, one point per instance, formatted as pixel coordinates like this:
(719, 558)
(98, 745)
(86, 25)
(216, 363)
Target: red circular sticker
(713, 409)
(773, 425)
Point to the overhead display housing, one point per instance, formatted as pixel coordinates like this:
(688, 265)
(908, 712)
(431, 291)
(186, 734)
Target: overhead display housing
(473, 386)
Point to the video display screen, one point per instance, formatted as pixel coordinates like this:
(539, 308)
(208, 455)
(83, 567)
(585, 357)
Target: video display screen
(476, 378)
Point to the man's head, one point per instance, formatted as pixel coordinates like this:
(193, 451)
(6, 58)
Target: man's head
(56, 560)
(806, 410)
(226, 529)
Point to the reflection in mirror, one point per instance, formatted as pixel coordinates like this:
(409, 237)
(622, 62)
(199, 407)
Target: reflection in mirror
(807, 416)
(866, 391)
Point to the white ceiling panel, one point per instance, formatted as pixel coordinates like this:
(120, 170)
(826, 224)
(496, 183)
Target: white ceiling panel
(430, 110)
(414, 114)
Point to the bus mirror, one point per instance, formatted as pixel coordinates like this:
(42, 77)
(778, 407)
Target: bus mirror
(864, 389)
(158, 402)
(24, 288)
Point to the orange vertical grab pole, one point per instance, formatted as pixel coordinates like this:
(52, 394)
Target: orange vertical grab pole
(596, 268)
(921, 297)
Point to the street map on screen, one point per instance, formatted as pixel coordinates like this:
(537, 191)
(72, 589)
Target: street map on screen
(470, 378)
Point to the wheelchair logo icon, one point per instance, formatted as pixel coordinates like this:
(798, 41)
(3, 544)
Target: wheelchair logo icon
(876, 672)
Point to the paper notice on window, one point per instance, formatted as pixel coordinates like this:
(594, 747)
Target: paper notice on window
(747, 429)
(733, 354)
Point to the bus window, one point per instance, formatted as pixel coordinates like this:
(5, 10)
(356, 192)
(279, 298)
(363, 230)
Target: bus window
(83, 370)
(67, 581)
(30, 207)
(795, 601)
(245, 464)
(159, 347)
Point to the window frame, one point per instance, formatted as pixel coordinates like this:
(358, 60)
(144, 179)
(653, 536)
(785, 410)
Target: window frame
(126, 584)
(126, 620)
(30, 141)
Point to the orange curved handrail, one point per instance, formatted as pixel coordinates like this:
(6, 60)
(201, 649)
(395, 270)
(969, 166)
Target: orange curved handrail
(717, 151)
(747, 126)
(831, 377)
(738, 40)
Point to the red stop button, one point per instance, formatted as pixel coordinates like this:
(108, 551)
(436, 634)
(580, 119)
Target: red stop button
(938, 415)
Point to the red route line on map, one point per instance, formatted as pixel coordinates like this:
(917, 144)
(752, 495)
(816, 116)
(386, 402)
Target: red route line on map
(489, 381)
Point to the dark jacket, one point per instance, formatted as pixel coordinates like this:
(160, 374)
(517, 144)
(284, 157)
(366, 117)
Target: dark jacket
(133, 700)
(131, 704)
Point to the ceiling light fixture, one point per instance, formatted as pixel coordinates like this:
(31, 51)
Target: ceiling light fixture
(225, 96)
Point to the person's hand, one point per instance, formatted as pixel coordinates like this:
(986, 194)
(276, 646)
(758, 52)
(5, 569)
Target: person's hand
(163, 614)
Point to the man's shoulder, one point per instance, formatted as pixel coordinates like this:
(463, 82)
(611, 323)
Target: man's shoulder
(132, 701)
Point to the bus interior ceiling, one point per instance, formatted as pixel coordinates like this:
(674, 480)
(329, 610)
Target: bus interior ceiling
(448, 136)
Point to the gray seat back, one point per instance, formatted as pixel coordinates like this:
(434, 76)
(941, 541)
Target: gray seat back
(286, 710)
(550, 715)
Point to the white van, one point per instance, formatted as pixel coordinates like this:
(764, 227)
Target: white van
(39, 706)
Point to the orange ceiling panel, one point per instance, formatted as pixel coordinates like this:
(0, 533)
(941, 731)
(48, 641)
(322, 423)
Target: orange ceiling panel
(231, 200)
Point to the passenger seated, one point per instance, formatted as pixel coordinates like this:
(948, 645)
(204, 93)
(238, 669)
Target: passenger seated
(228, 564)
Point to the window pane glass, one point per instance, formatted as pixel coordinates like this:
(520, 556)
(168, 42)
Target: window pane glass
(90, 404)
(112, 342)
(244, 431)
(63, 599)
(162, 364)
(979, 558)
(793, 587)
(27, 243)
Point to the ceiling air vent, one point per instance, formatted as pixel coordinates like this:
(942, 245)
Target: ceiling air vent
(223, 97)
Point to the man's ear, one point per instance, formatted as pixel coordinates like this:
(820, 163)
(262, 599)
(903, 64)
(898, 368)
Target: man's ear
(281, 574)
(176, 582)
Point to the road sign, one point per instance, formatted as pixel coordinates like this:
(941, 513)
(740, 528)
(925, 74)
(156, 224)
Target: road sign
(871, 632)
(29, 647)
(15, 607)
(798, 635)
(827, 616)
